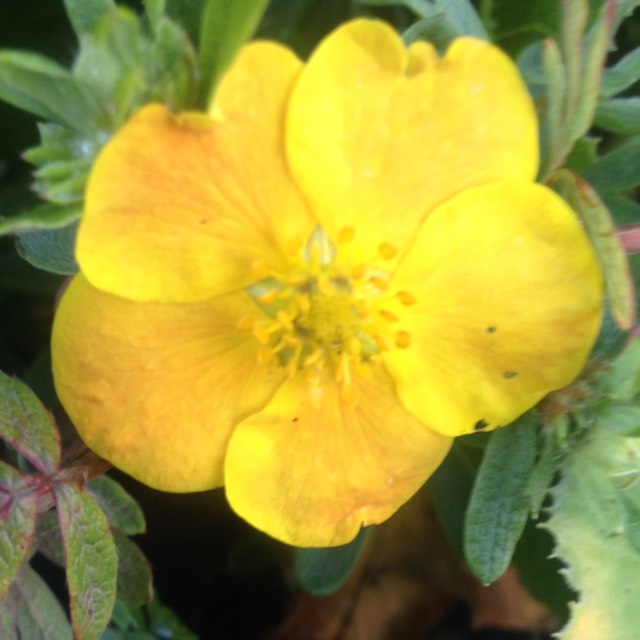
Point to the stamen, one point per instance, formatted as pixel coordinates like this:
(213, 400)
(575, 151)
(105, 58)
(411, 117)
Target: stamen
(388, 316)
(245, 324)
(387, 251)
(260, 269)
(269, 297)
(266, 356)
(406, 298)
(403, 339)
(379, 283)
(346, 234)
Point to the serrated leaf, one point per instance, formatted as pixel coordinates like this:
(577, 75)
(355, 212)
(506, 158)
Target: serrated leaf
(91, 560)
(122, 511)
(17, 522)
(588, 521)
(84, 14)
(42, 87)
(543, 472)
(619, 115)
(617, 170)
(31, 611)
(498, 507)
(602, 233)
(27, 426)
(226, 26)
(51, 250)
(622, 75)
(45, 216)
(323, 571)
(135, 585)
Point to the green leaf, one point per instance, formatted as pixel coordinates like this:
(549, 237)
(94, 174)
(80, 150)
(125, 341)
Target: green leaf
(51, 250)
(498, 506)
(621, 381)
(617, 170)
(623, 420)
(619, 115)
(323, 571)
(27, 426)
(47, 537)
(543, 472)
(45, 216)
(42, 87)
(91, 560)
(84, 14)
(31, 611)
(122, 511)
(597, 45)
(602, 233)
(451, 486)
(589, 521)
(17, 522)
(622, 75)
(552, 122)
(155, 11)
(226, 26)
(134, 573)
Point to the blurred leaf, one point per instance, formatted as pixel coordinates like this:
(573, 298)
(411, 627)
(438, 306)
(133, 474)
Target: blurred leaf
(17, 522)
(594, 57)
(155, 11)
(30, 611)
(51, 249)
(552, 120)
(451, 486)
(622, 75)
(27, 426)
(583, 154)
(165, 624)
(226, 26)
(48, 540)
(323, 571)
(134, 573)
(498, 507)
(84, 14)
(588, 521)
(543, 472)
(42, 87)
(45, 216)
(623, 420)
(617, 170)
(188, 14)
(91, 560)
(602, 233)
(122, 511)
(619, 115)
(621, 381)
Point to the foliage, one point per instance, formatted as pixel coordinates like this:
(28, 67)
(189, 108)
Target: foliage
(571, 466)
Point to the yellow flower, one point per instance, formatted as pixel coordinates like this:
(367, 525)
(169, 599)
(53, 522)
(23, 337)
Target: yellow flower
(305, 293)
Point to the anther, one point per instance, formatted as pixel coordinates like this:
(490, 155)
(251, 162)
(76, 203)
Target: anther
(388, 316)
(284, 320)
(269, 297)
(406, 298)
(379, 283)
(260, 269)
(387, 251)
(403, 339)
(346, 234)
(266, 356)
(245, 324)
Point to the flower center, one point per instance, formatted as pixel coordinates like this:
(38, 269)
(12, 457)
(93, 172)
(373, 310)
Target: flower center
(320, 316)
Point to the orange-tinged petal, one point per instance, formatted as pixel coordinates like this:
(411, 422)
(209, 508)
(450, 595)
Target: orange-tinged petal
(154, 388)
(312, 471)
(508, 302)
(378, 135)
(179, 207)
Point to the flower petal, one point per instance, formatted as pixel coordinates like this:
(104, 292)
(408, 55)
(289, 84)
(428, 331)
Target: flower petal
(313, 472)
(179, 207)
(378, 135)
(509, 302)
(156, 389)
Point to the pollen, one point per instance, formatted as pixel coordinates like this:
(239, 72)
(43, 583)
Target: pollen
(321, 315)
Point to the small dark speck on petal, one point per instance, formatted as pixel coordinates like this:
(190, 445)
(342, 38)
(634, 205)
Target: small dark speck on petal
(508, 375)
(492, 329)
(481, 424)
(295, 420)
